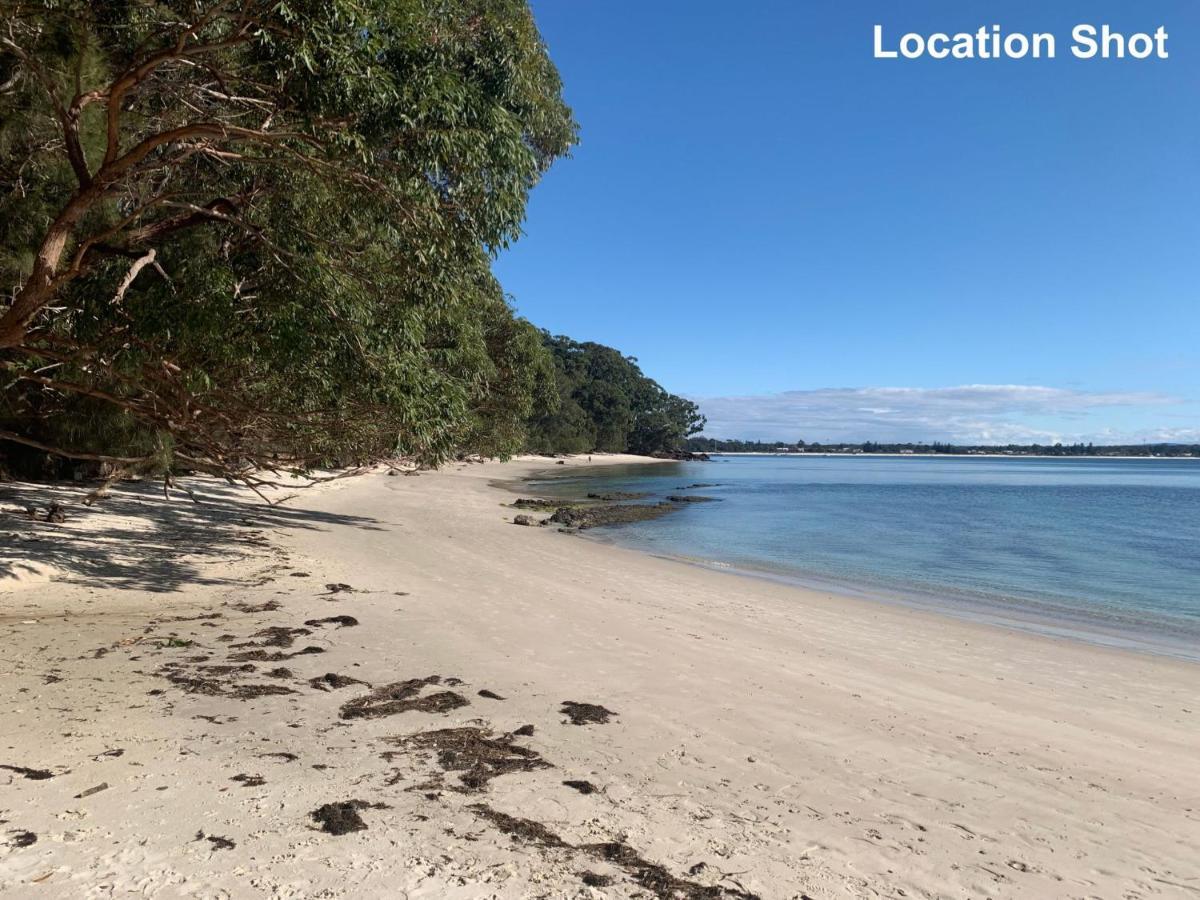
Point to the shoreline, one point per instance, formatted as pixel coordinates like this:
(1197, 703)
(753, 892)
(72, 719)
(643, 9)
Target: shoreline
(1012, 617)
(764, 740)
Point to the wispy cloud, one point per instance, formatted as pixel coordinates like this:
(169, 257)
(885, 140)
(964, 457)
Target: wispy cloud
(983, 413)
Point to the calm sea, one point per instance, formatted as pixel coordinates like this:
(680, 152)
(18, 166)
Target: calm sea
(1103, 550)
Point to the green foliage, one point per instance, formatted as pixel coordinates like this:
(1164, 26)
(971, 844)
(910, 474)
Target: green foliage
(325, 183)
(606, 404)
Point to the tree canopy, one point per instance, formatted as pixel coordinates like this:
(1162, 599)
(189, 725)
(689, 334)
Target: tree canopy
(246, 234)
(249, 232)
(606, 403)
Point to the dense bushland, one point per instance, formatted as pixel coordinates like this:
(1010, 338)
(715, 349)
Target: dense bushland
(238, 234)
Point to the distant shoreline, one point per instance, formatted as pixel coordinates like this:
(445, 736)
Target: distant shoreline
(951, 455)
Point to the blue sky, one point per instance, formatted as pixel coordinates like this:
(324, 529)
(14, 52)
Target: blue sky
(817, 244)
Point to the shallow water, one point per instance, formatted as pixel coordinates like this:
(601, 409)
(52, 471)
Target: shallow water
(1101, 549)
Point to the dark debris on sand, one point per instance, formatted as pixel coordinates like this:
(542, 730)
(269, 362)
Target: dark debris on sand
(584, 787)
(657, 879)
(221, 687)
(654, 878)
(250, 780)
(280, 755)
(340, 621)
(331, 681)
(342, 817)
(23, 839)
(268, 606)
(525, 830)
(254, 691)
(401, 697)
(218, 842)
(490, 695)
(31, 774)
(275, 636)
(275, 656)
(586, 713)
(475, 752)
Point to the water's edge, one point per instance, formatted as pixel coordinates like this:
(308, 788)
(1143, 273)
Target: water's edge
(1080, 629)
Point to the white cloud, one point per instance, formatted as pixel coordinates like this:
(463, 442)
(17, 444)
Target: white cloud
(983, 413)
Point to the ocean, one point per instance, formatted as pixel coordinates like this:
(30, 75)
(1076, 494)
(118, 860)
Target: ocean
(1104, 550)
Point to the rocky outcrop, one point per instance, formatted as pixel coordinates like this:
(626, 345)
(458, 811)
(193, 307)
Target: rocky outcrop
(537, 503)
(583, 517)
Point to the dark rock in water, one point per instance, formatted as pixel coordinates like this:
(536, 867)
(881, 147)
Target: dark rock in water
(619, 495)
(691, 498)
(698, 484)
(561, 462)
(343, 817)
(619, 514)
(536, 503)
(586, 713)
(524, 520)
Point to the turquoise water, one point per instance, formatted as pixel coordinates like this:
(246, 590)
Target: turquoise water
(1104, 550)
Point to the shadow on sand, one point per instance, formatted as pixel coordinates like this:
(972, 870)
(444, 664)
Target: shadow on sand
(136, 539)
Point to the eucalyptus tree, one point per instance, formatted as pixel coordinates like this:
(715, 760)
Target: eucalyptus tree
(237, 233)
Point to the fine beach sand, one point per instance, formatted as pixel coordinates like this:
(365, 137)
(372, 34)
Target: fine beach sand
(766, 740)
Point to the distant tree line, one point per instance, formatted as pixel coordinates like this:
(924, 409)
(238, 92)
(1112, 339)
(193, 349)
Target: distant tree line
(603, 402)
(714, 445)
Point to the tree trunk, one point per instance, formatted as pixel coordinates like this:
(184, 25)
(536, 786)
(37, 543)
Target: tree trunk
(42, 285)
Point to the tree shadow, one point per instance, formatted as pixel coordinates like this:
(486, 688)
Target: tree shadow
(138, 539)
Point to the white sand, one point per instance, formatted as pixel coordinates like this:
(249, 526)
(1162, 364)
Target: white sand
(782, 742)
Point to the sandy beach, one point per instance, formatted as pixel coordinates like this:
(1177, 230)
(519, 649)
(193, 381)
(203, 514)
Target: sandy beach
(186, 685)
